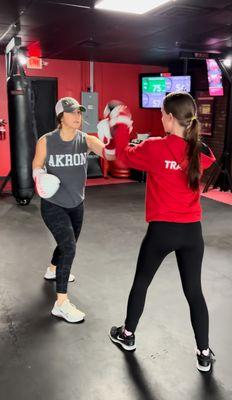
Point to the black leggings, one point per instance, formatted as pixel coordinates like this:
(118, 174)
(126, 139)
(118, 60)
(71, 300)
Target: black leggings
(161, 239)
(65, 225)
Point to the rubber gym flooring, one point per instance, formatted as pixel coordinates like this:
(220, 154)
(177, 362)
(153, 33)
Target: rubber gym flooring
(43, 358)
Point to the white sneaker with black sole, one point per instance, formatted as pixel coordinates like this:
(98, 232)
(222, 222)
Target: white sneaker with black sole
(51, 276)
(68, 311)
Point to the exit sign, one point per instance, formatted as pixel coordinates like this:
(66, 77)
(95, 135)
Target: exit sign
(34, 63)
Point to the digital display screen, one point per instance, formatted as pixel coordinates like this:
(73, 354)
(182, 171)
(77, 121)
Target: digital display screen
(178, 84)
(154, 85)
(153, 100)
(154, 88)
(214, 78)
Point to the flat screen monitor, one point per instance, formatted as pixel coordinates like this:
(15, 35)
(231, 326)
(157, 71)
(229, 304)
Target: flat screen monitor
(153, 88)
(178, 84)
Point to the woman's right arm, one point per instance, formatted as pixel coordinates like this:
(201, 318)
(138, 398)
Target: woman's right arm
(40, 154)
(142, 156)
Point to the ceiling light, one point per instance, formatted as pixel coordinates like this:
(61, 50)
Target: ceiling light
(130, 6)
(21, 56)
(227, 62)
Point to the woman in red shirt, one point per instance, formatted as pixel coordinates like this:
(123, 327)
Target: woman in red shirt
(174, 165)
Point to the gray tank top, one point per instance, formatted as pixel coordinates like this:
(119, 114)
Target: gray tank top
(67, 161)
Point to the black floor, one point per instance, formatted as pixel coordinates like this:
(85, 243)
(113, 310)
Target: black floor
(42, 358)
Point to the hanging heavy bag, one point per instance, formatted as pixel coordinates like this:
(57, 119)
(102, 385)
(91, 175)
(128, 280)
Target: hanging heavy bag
(22, 137)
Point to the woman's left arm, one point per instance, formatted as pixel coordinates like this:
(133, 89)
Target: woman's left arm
(95, 145)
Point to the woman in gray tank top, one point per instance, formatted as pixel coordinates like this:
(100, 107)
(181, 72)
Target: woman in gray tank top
(62, 154)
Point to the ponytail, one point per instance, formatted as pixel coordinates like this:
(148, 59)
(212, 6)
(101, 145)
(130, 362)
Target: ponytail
(183, 107)
(193, 154)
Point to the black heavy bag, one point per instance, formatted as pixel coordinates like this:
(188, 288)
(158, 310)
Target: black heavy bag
(22, 137)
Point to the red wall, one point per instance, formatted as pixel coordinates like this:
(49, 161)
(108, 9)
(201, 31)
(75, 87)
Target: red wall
(120, 81)
(111, 81)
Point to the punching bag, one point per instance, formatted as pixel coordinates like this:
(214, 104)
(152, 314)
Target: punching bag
(22, 137)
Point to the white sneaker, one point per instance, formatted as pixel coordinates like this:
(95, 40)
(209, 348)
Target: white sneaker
(51, 276)
(68, 311)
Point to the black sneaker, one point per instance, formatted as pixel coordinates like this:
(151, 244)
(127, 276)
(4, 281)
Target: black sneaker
(117, 336)
(204, 363)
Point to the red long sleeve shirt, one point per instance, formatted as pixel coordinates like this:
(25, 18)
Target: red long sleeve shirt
(168, 196)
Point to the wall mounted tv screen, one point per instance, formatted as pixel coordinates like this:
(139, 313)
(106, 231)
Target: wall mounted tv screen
(153, 88)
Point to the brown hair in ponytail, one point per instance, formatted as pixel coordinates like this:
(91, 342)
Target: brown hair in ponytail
(183, 107)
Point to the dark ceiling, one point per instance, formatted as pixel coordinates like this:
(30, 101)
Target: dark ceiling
(73, 29)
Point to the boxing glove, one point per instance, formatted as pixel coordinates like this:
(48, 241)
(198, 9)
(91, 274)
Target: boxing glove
(104, 134)
(103, 129)
(46, 184)
(115, 112)
(118, 113)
